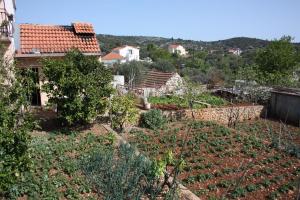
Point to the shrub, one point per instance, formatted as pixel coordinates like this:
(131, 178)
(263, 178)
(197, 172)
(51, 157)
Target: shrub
(15, 125)
(123, 111)
(79, 86)
(153, 119)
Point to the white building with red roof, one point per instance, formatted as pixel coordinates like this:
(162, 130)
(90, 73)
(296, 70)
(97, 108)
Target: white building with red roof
(235, 51)
(53, 41)
(122, 54)
(177, 49)
(112, 58)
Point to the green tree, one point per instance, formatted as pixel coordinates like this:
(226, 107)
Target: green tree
(79, 86)
(15, 124)
(132, 71)
(277, 61)
(164, 66)
(123, 111)
(156, 53)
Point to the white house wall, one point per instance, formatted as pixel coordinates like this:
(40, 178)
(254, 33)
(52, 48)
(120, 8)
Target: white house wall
(125, 52)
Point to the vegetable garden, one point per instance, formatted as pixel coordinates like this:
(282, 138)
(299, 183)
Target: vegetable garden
(223, 163)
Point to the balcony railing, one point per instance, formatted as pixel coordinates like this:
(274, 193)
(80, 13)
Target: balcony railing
(6, 27)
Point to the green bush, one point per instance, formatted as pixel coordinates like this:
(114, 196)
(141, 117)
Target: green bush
(123, 111)
(153, 119)
(15, 125)
(79, 86)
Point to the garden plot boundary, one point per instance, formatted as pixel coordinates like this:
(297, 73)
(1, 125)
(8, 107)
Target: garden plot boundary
(222, 115)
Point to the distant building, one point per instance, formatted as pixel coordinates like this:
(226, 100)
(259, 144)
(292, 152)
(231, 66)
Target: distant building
(130, 53)
(157, 83)
(52, 41)
(235, 51)
(7, 28)
(113, 58)
(178, 49)
(122, 54)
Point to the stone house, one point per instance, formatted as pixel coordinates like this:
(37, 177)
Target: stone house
(157, 83)
(38, 42)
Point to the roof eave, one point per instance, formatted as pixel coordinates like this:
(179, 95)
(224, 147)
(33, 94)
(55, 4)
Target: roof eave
(51, 55)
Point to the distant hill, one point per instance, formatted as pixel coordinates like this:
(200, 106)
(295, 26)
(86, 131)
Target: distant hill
(107, 42)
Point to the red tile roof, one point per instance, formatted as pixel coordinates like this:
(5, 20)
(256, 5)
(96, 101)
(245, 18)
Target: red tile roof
(112, 56)
(155, 79)
(83, 28)
(174, 45)
(58, 39)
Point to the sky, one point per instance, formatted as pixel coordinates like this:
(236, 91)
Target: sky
(206, 20)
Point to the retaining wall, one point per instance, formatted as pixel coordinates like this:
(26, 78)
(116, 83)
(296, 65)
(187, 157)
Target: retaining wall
(220, 115)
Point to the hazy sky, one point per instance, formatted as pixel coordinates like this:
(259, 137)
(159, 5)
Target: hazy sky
(205, 20)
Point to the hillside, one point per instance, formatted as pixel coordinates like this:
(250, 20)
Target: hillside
(107, 42)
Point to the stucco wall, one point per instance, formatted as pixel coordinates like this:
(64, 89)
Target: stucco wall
(285, 107)
(129, 57)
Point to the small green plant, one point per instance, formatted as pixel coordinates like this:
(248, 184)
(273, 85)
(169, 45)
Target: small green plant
(238, 192)
(123, 111)
(153, 119)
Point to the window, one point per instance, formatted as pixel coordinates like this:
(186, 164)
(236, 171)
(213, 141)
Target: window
(130, 51)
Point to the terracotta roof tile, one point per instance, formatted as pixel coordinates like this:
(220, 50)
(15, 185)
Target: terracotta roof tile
(174, 45)
(112, 56)
(155, 79)
(58, 39)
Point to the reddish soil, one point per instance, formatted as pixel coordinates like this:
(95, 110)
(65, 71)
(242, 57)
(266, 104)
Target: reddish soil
(223, 157)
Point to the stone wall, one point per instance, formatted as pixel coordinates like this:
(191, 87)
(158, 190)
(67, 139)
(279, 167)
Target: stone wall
(223, 115)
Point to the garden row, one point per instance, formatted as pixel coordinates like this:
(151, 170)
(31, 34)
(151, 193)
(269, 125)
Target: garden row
(222, 162)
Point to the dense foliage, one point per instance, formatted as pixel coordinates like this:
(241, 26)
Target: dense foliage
(15, 124)
(277, 61)
(183, 102)
(79, 86)
(210, 62)
(153, 119)
(132, 71)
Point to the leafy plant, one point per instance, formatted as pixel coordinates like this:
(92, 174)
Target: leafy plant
(15, 125)
(153, 119)
(123, 111)
(79, 86)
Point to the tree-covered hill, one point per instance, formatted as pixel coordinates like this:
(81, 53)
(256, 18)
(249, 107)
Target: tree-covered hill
(108, 42)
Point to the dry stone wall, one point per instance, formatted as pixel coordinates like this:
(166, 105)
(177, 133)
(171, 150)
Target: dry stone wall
(221, 115)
